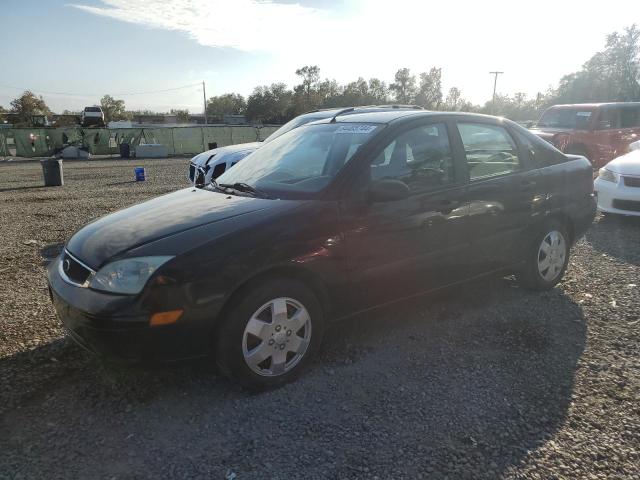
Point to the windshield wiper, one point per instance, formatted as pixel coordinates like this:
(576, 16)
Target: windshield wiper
(245, 188)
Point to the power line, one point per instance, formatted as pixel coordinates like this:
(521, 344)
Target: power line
(98, 94)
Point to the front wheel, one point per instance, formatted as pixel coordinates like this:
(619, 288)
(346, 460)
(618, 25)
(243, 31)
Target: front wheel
(270, 334)
(547, 258)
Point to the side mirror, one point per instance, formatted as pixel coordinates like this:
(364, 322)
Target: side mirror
(388, 190)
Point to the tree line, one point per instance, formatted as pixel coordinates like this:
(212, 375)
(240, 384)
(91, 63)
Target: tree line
(610, 75)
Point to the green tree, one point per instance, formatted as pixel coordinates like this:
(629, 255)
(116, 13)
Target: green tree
(113, 109)
(612, 75)
(27, 105)
(2, 114)
(430, 92)
(310, 75)
(270, 104)
(453, 100)
(226, 104)
(378, 91)
(182, 115)
(404, 87)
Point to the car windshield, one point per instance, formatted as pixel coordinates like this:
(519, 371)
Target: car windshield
(290, 125)
(571, 118)
(301, 162)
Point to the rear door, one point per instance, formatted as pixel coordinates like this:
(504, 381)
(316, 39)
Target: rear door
(405, 247)
(500, 194)
(629, 127)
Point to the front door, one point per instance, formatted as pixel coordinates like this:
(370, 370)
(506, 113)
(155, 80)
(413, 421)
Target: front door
(404, 247)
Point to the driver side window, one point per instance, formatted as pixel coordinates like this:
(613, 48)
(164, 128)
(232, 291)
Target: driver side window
(420, 157)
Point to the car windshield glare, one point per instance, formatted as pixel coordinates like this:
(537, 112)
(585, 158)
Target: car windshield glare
(573, 119)
(290, 125)
(302, 161)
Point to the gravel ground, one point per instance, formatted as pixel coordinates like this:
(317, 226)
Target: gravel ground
(487, 381)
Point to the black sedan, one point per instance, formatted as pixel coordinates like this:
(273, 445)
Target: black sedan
(333, 218)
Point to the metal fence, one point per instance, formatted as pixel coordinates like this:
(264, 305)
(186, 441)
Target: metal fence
(43, 142)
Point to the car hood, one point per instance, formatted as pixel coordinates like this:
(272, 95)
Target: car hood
(161, 217)
(628, 164)
(222, 152)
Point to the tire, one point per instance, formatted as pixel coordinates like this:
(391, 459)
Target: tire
(552, 242)
(260, 350)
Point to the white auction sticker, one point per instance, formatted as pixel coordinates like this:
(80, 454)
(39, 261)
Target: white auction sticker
(357, 129)
(583, 114)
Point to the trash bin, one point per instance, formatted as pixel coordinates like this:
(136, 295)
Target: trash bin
(125, 150)
(52, 172)
(139, 173)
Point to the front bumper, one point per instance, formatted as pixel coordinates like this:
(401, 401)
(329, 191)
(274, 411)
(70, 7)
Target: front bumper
(617, 197)
(117, 326)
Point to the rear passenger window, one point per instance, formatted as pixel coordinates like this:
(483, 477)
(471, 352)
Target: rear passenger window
(609, 118)
(489, 149)
(630, 117)
(540, 153)
(420, 157)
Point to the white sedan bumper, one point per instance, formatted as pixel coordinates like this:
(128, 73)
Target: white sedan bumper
(622, 197)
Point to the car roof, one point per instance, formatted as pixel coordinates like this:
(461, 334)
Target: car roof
(331, 112)
(594, 105)
(385, 117)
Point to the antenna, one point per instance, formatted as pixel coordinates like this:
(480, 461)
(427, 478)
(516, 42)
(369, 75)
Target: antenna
(350, 109)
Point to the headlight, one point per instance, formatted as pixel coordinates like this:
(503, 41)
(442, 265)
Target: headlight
(608, 175)
(127, 276)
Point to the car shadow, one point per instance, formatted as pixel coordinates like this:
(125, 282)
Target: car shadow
(471, 379)
(30, 187)
(612, 235)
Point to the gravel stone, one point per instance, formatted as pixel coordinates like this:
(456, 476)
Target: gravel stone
(484, 380)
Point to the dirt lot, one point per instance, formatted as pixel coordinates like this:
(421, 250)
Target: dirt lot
(488, 381)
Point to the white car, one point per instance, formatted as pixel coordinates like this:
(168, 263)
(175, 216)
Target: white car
(211, 164)
(618, 185)
(92, 116)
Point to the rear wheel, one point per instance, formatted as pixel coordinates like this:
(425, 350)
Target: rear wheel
(271, 333)
(547, 258)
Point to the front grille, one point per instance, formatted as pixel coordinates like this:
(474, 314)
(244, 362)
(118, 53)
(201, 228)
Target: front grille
(74, 270)
(629, 205)
(632, 181)
(192, 171)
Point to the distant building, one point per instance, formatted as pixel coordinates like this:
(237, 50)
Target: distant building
(158, 118)
(232, 119)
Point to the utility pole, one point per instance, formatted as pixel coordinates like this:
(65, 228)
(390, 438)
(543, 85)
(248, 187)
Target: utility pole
(204, 99)
(495, 83)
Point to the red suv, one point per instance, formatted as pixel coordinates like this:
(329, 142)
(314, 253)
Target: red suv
(599, 131)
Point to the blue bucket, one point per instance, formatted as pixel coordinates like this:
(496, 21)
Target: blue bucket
(139, 171)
